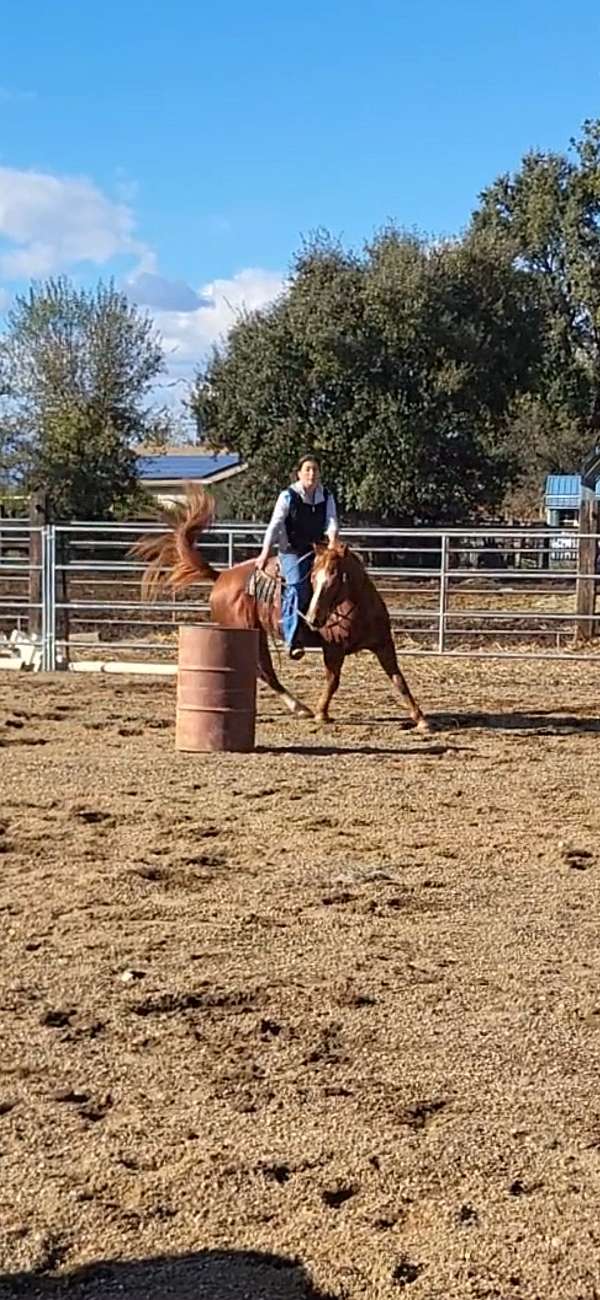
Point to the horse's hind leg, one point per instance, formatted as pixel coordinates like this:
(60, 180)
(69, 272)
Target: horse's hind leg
(268, 675)
(387, 658)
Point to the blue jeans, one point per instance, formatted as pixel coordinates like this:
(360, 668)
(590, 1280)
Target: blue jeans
(295, 596)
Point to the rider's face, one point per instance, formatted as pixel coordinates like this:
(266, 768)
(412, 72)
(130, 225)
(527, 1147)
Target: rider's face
(309, 475)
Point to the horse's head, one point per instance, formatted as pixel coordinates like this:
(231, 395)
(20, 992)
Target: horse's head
(329, 577)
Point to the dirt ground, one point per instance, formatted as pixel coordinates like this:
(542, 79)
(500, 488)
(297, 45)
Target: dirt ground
(320, 1021)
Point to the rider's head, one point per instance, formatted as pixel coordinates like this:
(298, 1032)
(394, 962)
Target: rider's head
(308, 470)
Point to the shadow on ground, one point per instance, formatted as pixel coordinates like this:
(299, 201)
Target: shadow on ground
(537, 721)
(546, 722)
(206, 1275)
(325, 751)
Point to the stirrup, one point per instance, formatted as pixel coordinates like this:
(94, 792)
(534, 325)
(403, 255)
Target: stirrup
(296, 652)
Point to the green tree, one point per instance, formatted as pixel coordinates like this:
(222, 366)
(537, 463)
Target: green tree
(76, 372)
(546, 218)
(398, 365)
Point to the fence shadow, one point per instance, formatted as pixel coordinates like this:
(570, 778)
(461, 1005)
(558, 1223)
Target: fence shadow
(205, 1275)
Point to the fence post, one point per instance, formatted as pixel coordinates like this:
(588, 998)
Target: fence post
(52, 589)
(38, 518)
(443, 594)
(585, 592)
(60, 589)
(230, 555)
(49, 600)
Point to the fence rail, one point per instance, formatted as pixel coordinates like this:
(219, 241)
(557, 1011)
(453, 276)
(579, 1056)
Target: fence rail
(74, 590)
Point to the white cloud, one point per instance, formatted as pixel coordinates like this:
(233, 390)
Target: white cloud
(188, 335)
(152, 290)
(51, 222)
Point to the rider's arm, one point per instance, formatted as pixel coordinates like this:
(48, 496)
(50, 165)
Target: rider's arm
(277, 519)
(331, 520)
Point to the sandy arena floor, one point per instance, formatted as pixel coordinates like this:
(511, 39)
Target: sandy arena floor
(321, 1021)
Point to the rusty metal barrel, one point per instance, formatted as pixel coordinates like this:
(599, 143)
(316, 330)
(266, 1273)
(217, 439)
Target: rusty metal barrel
(216, 689)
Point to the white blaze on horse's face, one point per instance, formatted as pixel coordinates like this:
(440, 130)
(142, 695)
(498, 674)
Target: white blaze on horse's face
(319, 584)
(326, 579)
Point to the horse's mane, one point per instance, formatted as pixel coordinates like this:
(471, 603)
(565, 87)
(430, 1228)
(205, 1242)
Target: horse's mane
(347, 559)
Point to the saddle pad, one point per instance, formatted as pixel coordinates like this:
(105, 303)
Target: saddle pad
(263, 586)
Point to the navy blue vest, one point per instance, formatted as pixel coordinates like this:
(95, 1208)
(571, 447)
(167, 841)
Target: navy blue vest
(305, 523)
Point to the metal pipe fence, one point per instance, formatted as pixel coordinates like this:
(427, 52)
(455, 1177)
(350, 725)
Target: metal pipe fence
(458, 591)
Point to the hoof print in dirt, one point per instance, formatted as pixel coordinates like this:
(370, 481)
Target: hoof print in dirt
(327, 1049)
(97, 1111)
(330, 900)
(71, 1098)
(51, 1252)
(233, 1000)
(56, 1019)
(519, 1188)
(346, 996)
(153, 874)
(277, 1174)
(335, 1197)
(421, 1113)
(269, 1029)
(92, 816)
(467, 1215)
(206, 860)
(405, 1272)
(578, 859)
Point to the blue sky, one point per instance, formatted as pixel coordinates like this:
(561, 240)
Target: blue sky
(187, 147)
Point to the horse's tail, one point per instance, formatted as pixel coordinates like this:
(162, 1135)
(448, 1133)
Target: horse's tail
(172, 559)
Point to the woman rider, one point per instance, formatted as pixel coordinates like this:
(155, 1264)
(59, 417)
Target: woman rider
(304, 513)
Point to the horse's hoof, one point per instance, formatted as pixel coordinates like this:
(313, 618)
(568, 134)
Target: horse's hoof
(301, 711)
(323, 719)
(424, 727)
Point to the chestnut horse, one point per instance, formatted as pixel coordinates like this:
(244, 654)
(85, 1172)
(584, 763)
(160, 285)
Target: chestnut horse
(346, 612)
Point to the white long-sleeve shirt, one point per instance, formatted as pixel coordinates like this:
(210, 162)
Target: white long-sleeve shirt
(276, 531)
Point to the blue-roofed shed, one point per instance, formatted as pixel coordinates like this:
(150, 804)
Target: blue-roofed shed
(563, 491)
(563, 496)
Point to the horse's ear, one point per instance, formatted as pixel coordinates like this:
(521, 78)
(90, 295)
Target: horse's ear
(319, 547)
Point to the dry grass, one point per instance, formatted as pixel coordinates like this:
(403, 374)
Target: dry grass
(335, 1001)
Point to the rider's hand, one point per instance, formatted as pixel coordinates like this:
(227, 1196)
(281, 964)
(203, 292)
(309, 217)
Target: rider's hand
(261, 562)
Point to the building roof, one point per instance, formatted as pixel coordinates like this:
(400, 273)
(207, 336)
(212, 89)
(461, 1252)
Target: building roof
(194, 467)
(565, 491)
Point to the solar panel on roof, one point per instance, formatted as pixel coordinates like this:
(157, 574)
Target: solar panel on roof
(184, 467)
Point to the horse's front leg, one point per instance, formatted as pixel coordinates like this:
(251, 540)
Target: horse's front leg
(333, 659)
(268, 675)
(387, 658)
